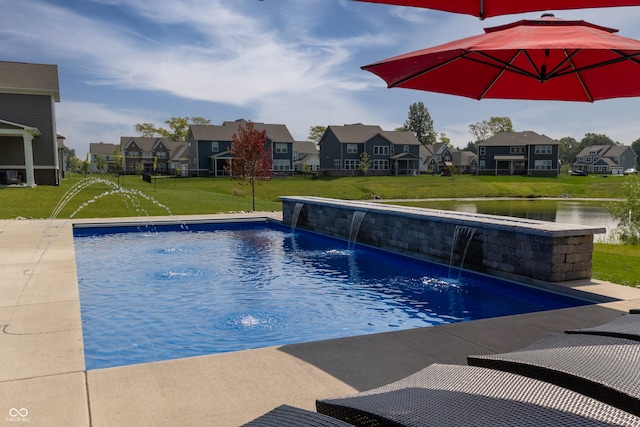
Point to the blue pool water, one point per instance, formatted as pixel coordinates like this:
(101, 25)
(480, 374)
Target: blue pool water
(150, 295)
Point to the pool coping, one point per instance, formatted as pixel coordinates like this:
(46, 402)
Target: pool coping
(43, 380)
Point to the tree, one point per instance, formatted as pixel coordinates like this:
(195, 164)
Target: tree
(445, 139)
(569, 149)
(471, 147)
(365, 162)
(419, 123)
(481, 131)
(316, 133)
(74, 164)
(117, 166)
(68, 154)
(635, 146)
(101, 164)
(178, 128)
(251, 157)
(627, 212)
(591, 139)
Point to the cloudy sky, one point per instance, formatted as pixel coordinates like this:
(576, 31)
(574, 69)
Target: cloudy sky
(295, 62)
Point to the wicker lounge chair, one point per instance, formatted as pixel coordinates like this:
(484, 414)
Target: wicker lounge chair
(288, 416)
(626, 326)
(452, 395)
(605, 368)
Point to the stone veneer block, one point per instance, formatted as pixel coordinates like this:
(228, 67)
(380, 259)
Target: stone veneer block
(528, 248)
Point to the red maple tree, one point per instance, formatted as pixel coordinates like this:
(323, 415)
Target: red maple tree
(252, 160)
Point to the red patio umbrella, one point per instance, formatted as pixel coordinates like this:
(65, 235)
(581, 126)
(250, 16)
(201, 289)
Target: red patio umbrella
(544, 59)
(488, 8)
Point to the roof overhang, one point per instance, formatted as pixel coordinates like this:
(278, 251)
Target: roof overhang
(509, 158)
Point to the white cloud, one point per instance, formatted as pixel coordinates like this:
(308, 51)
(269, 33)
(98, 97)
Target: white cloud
(82, 123)
(282, 61)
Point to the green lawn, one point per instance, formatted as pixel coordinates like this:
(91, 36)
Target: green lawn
(184, 196)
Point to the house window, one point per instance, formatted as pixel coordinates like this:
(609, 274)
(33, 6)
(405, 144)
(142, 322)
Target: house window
(161, 167)
(381, 164)
(543, 149)
(337, 164)
(161, 154)
(481, 165)
(215, 147)
(482, 151)
(392, 150)
(517, 150)
(281, 148)
(543, 164)
(281, 165)
(132, 154)
(147, 154)
(351, 164)
(406, 148)
(380, 150)
(352, 148)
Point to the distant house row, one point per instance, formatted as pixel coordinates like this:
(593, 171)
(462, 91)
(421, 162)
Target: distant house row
(341, 150)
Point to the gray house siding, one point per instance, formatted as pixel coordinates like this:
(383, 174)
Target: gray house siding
(35, 111)
(330, 150)
(285, 157)
(518, 153)
(12, 152)
(214, 165)
(551, 157)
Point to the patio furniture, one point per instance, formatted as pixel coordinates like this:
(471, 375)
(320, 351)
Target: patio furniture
(604, 368)
(626, 326)
(12, 177)
(289, 416)
(453, 395)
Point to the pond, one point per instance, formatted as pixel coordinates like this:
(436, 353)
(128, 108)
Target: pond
(584, 212)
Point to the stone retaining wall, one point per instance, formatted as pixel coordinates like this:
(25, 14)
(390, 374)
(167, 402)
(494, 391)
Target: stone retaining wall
(539, 250)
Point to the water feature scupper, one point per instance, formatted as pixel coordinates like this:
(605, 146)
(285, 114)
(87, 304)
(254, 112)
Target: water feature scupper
(462, 236)
(296, 214)
(356, 221)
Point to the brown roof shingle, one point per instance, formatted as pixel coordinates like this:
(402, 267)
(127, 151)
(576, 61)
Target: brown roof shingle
(22, 77)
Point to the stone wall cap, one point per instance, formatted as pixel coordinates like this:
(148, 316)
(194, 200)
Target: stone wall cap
(529, 226)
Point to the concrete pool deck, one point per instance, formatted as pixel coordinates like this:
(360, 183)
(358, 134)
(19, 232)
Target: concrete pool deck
(43, 381)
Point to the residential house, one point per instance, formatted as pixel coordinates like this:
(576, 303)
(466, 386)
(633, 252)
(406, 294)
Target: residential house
(441, 158)
(390, 152)
(29, 151)
(103, 157)
(147, 154)
(306, 156)
(179, 159)
(519, 153)
(605, 159)
(465, 161)
(210, 147)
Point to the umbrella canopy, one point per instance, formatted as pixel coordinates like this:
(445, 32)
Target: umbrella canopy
(544, 59)
(488, 8)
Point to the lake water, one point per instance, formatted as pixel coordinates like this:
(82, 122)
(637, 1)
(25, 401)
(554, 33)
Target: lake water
(591, 213)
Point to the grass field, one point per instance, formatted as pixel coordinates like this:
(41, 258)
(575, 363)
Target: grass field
(185, 196)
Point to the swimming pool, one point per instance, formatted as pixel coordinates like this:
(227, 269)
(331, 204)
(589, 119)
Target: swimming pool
(149, 295)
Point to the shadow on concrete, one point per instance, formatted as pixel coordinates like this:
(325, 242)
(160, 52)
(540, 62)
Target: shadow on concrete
(369, 361)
